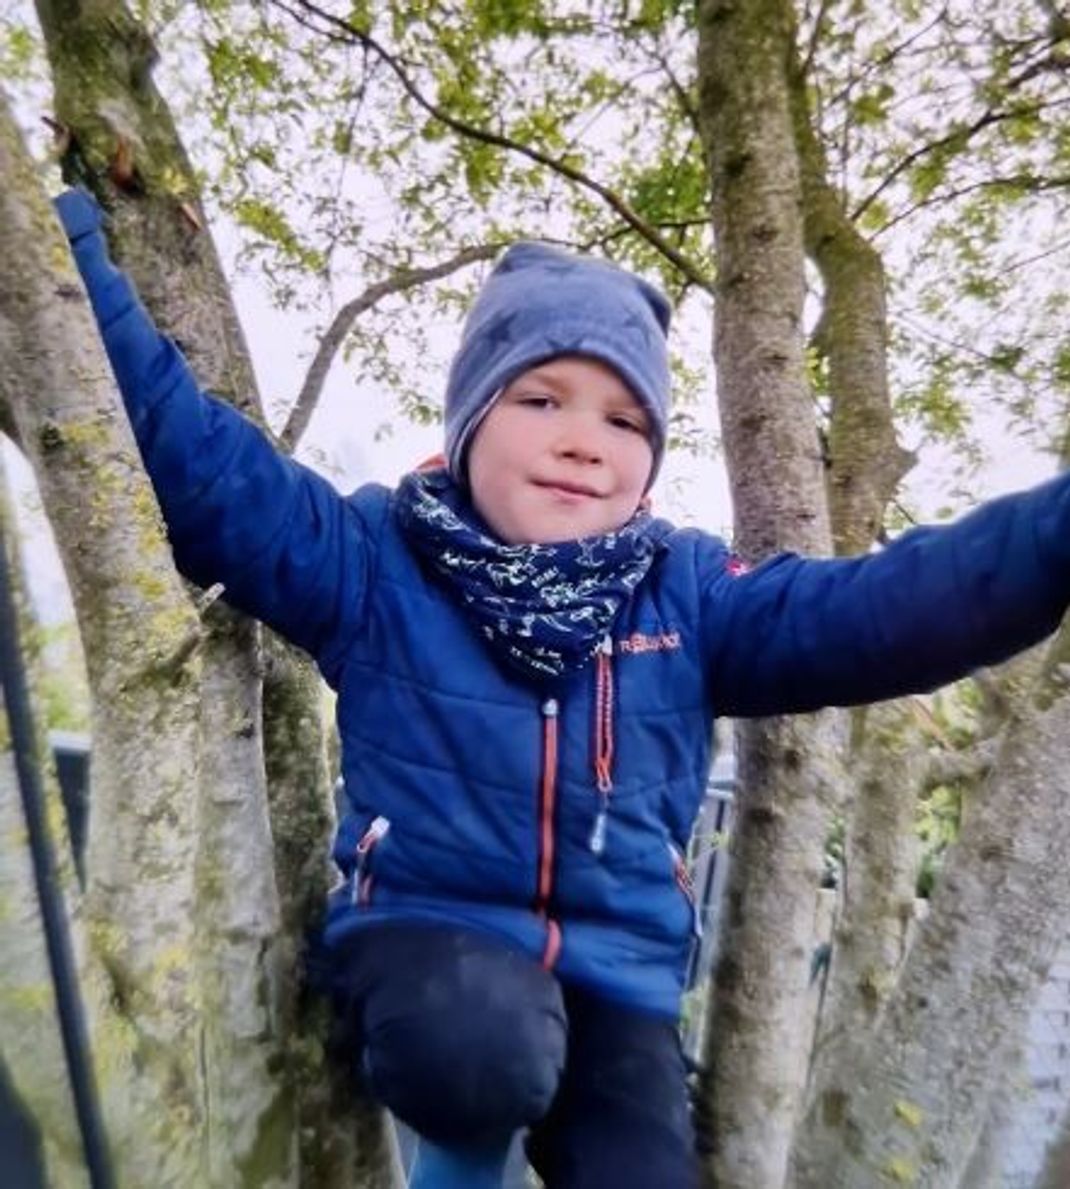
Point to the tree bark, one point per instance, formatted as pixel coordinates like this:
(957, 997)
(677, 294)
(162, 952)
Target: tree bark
(865, 460)
(136, 624)
(755, 1060)
(249, 1057)
(878, 879)
(1056, 1171)
(864, 466)
(101, 62)
(986, 1164)
(907, 1102)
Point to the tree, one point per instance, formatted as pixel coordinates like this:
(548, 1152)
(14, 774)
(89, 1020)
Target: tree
(224, 1050)
(817, 136)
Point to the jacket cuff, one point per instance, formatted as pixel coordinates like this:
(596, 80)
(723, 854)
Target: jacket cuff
(79, 213)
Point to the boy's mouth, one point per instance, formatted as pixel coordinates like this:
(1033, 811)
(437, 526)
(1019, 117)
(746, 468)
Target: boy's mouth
(570, 490)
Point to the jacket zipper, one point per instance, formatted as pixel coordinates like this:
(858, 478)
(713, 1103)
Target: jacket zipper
(603, 742)
(547, 797)
(362, 878)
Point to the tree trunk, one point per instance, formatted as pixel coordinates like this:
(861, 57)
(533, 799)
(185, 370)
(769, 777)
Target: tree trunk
(251, 1060)
(136, 934)
(29, 1031)
(906, 1103)
(101, 63)
(878, 879)
(756, 1055)
(865, 464)
(865, 459)
(986, 1163)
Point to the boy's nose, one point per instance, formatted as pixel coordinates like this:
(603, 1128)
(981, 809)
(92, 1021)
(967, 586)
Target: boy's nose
(581, 442)
(580, 451)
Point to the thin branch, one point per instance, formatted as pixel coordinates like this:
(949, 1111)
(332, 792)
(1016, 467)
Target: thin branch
(955, 344)
(815, 37)
(495, 139)
(401, 282)
(683, 99)
(964, 134)
(967, 765)
(1058, 21)
(961, 134)
(1036, 257)
(881, 63)
(1029, 182)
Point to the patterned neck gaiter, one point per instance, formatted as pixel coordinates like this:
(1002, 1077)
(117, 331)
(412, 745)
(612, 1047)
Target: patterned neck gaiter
(544, 608)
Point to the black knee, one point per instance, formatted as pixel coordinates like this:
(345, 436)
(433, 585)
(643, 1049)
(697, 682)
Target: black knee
(475, 1048)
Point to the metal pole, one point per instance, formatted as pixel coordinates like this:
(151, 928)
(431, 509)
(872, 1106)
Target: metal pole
(53, 918)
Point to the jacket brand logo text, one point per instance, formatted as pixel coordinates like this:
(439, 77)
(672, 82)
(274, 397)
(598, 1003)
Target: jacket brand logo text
(640, 642)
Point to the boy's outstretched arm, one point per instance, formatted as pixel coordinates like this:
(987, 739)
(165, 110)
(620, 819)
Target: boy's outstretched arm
(287, 547)
(795, 635)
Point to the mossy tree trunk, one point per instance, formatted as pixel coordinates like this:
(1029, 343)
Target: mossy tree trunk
(1056, 1171)
(135, 930)
(864, 465)
(254, 1068)
(773, 206)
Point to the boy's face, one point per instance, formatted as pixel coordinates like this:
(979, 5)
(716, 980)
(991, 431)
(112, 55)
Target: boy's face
(563, 453)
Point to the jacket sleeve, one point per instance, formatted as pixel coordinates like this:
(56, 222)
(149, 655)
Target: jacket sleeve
(796, 635)
(287, 547)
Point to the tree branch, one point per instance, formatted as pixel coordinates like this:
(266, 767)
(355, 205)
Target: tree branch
(683, 100)
(815, 37)
(968, 765)
(1030, 182)
(963, 134)
(401, 282)
(346, 31)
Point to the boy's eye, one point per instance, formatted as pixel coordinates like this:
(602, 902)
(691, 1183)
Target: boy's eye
(535, 400)
(624, 422)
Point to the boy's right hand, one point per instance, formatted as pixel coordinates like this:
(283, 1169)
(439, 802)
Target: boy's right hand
(79, 212)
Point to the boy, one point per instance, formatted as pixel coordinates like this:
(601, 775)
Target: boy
(527, 666)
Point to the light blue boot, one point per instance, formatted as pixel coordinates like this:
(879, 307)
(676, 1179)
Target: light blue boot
(435, 1167)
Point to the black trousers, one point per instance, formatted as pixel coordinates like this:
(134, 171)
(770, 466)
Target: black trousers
(468, 1041)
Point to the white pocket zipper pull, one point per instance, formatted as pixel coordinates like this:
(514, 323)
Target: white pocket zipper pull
(597, 841)
(368, 840)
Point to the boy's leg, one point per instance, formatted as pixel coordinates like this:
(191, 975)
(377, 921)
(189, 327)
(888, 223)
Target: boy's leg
(436, 1167)
(622, 1115)
(460, 1036)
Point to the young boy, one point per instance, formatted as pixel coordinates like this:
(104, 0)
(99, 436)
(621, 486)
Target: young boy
(527, 666)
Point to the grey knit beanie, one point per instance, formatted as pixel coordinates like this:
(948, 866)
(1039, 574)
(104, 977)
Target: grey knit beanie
(539, 303)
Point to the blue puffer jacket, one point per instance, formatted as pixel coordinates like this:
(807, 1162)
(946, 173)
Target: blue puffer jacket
(474, 796)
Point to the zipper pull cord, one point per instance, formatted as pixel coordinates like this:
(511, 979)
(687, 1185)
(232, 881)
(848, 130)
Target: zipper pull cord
(371, 837)
(603, 746)
(687, 885)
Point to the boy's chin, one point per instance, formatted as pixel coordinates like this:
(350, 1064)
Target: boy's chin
(554, 534)
(533, 523)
